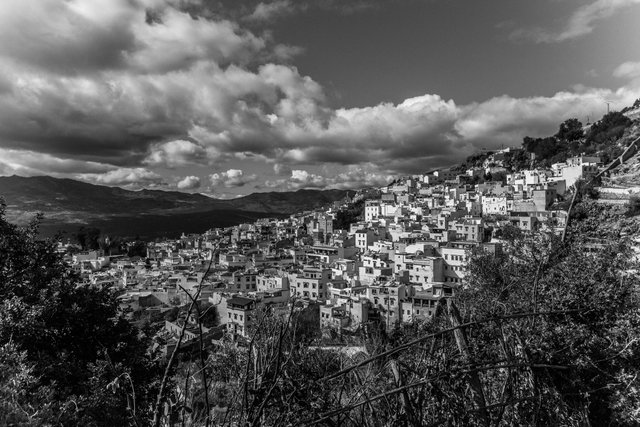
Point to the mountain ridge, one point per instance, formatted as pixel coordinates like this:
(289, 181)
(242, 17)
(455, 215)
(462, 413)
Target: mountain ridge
(68, 204)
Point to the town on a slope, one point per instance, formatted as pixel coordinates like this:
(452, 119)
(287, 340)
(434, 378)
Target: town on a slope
(410, 250)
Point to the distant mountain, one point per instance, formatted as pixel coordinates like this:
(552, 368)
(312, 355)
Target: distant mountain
(68, 204)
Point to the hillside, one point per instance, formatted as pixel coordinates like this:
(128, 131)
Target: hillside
(68, 204)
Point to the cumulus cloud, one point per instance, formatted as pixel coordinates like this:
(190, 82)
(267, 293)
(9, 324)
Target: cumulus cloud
(126, 177)
(231, 178)
(354, 177)
(581, 22)
(128, 86)
(175, 153)
(189, 183)
(112, 83)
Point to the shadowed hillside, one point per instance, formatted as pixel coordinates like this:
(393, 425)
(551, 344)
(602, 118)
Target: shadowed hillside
(68, 204)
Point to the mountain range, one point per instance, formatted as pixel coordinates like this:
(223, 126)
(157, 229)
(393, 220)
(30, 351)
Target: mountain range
(68, 204)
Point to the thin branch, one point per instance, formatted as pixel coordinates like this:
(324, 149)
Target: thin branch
(436, 334)
(165, 378)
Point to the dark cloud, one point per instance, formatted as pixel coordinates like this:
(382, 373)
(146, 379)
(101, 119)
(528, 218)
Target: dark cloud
(186, 86)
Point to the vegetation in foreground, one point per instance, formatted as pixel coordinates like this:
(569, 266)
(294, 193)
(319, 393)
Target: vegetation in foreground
(546, 333)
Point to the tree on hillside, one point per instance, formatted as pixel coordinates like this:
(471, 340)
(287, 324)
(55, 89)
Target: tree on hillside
(516, 160)
(67, 355)
(88, 238)
(609, 128)
(353, 213)
(570, 130)
(543, 148)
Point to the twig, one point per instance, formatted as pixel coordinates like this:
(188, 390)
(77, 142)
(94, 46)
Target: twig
(436, 334)
(165, 378)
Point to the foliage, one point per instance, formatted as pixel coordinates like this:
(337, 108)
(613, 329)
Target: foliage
(570, 130)
(473, 161)
(601, 140)
(353, 213)
(609, 128)
(137, 248)
(548, 334)
(516, 160)
(634, 206)
(544, 148)
(88, 238)
(635, 106)
(71, 340)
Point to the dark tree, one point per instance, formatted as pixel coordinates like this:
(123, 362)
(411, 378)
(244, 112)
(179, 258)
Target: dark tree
(70, 342)
(137, 248)
(88, 238)
(570, 130)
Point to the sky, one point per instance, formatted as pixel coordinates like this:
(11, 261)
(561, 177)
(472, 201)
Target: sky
(230, 97)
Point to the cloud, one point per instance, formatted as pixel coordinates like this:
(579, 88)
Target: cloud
(581, 22)
(354, 177)
(270, 11)
(127, 86)
(128, 177)
(280, 169)
(32, 163)
(116, 34)
(265, 12)
(231, 178)
(628, 70)
(175, 153)
(189, 183)
(111, 84)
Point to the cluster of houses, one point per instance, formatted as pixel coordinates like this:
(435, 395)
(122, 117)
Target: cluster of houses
(410, 250)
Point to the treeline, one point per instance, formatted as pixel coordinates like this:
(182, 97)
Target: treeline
(571, 140)
(92, 238)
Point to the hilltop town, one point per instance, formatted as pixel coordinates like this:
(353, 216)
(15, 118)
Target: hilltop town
(406, 248)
